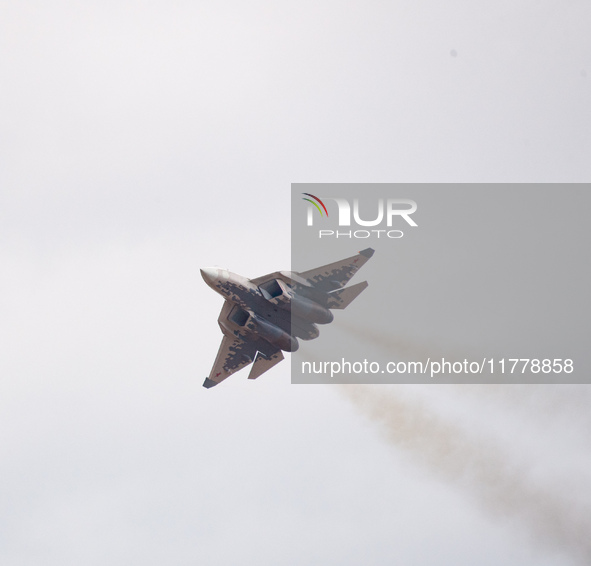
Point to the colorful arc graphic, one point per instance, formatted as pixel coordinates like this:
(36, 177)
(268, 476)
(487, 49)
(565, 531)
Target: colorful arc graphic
(318, 207)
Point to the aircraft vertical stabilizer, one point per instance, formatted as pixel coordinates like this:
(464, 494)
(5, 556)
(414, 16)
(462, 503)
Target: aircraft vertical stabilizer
(263, 363)
(342, 298)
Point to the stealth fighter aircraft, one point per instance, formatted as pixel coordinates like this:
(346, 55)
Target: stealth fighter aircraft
(263, 316)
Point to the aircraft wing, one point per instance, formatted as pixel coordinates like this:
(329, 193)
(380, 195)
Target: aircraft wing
(233, 355)
(236, 353)
(336, 275)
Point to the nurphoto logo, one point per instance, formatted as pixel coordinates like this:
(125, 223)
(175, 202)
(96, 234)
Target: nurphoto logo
(384, 212)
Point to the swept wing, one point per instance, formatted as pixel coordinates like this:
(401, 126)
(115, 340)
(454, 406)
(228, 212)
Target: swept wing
(236, 352)
(336, 275)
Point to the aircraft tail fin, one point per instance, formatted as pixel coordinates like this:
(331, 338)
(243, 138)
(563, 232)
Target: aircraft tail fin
(263, 363)
(342, 298)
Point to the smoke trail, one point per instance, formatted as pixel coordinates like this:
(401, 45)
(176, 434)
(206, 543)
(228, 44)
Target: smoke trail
(502, 486)
(393, 344)
(540, 401)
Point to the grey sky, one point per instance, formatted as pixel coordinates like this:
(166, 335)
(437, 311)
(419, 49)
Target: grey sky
(140, 141)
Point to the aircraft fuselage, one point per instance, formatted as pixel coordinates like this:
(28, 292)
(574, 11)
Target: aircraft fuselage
(257, 311)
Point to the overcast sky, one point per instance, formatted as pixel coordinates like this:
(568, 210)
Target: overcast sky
(140, 141)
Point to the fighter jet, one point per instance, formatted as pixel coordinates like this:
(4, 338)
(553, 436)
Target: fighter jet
(265, 316)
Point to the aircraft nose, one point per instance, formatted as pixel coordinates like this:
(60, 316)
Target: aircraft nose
(209, 274)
